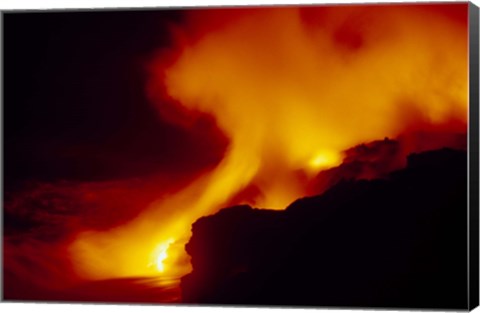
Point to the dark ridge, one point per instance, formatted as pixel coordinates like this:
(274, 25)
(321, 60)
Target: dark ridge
(399, 241)
(377, 159)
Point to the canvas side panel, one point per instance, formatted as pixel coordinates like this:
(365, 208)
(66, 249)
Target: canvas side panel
(473, 157)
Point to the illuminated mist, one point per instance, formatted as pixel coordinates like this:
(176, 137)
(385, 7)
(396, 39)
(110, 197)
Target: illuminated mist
(291, 88)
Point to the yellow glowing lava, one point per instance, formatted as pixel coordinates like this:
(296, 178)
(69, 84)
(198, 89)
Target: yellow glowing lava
(161, 255)
(325, 159)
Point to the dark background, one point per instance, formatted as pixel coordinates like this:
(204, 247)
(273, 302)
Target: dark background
(75, 105)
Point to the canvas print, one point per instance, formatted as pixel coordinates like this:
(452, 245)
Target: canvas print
(311, 155)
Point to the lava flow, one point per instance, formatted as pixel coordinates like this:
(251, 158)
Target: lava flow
(291, 88)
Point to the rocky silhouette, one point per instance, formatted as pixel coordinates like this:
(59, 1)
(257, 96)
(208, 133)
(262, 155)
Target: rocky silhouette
(379, 158)
(397, 241)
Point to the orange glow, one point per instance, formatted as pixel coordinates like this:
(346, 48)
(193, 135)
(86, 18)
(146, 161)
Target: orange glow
(325, 159)
(291, 94)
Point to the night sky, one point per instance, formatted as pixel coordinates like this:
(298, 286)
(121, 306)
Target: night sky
(76, 107)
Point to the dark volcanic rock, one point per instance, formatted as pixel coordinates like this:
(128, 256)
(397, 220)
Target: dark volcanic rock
(395, 242)
(370, 160)
(377, 159)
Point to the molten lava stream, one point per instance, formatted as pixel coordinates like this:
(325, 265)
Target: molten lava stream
(153, 243)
